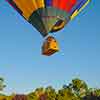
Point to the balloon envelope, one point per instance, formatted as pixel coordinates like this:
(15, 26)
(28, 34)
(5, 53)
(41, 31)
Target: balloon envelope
(48, 15)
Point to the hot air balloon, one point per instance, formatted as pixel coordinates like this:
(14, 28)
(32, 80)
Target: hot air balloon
(48, 16)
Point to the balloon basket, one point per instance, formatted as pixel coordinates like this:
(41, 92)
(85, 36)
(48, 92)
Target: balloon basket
(50, 46)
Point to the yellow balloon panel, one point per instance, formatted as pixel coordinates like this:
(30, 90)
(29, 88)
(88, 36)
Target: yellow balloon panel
(29, 6)
(40, 3)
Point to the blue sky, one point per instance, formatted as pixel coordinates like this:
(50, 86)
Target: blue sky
(23, 66)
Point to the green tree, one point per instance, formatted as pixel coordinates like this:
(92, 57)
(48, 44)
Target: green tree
(39, 91)
(79, 87)
(2, 85)
(36, 94)
(66, 93)
(96, 92)
(50, 93)
(32, 96)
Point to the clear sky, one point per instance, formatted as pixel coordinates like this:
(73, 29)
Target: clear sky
(24, 68)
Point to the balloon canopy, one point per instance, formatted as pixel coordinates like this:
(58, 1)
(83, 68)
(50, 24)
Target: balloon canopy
(48, 15)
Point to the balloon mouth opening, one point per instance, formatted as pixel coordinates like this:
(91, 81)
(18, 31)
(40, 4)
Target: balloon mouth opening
(58, 26)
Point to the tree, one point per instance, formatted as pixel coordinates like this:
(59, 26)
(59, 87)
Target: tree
(32, 96)
(66, 93)
(2, 85)
(39, 91)
(50, 93)
(96, 92)
(79, 87)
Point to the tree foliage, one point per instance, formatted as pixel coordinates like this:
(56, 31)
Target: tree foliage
(76, 90)
(2, 85)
